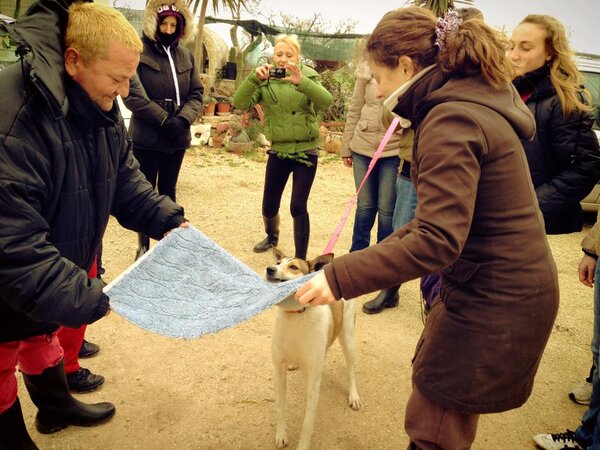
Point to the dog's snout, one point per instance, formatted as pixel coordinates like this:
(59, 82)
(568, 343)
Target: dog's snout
(271, 270)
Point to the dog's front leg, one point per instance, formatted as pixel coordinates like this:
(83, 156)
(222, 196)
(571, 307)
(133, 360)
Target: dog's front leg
(280, 382)
(313, 387)
(346, 338)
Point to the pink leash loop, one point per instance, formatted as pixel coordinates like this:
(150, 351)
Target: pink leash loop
(336, 234)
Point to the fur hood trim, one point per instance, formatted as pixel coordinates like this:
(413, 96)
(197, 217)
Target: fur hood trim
(150, 22)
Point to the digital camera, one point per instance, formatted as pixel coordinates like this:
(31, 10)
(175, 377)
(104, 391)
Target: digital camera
(277, 72)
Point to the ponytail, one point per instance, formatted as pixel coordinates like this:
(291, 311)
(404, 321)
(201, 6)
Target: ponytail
(476, 48)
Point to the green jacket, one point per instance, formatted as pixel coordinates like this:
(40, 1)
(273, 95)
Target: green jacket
(290, 111)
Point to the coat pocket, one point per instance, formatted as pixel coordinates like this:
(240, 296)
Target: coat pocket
(362, 125)
(454, 278)
(150, 62)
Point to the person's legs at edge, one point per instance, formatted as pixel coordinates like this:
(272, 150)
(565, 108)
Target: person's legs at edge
(366, 206)
(149, 164)
(277, 174)
(168, 173)
(588, 433)
(433, 427)
(13, 431)
(302, 181)
(71, 340)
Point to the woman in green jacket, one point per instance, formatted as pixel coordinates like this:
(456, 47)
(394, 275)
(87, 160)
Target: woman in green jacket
(290, 96)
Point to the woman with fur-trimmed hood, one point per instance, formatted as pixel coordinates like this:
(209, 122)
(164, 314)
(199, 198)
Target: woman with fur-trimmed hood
(169, 98)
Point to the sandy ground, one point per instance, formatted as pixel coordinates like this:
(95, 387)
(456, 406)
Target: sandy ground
(216, 392)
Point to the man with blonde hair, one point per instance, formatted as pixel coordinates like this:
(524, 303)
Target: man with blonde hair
(65, 166)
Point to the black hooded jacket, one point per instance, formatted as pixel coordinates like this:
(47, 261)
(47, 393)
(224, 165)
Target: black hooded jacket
(164, 72)
(563, 157)
(65, 166)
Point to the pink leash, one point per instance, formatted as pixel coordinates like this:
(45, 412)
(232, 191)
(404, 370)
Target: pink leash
(336, 234)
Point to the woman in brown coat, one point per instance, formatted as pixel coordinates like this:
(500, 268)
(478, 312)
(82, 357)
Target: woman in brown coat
(477, 223)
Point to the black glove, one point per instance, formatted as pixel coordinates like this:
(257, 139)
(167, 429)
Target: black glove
(177, 127)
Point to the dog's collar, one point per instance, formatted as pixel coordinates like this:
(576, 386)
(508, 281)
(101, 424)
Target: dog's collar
(295, 311)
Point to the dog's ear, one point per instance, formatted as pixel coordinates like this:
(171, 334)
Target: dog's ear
(319, 262)
(277, 255)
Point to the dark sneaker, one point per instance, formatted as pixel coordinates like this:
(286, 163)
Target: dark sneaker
(84, 381)
(88, 349)
(558, 441)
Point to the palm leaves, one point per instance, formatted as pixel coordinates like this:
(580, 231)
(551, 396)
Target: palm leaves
(441, 7)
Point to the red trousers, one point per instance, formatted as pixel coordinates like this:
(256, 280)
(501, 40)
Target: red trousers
(71, 338)
(32, 355)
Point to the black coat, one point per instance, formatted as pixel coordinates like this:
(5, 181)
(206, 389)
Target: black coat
(563, 157)
(148, 107)
(65, 166)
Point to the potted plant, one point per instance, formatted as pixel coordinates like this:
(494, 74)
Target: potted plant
(240, 143)
(209, 105)
(223, 105)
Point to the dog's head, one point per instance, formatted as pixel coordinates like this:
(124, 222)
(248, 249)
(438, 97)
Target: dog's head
(289, 268)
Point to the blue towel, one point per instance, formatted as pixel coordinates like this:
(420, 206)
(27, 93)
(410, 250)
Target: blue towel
(187, 286)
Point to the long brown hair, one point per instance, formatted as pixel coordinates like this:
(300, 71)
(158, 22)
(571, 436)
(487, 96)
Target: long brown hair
(475, 48)
(565, 77)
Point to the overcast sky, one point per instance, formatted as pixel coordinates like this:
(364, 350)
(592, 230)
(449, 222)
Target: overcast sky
(580, 17)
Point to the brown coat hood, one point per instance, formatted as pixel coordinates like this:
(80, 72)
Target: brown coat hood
(150, 22)
(434, 88)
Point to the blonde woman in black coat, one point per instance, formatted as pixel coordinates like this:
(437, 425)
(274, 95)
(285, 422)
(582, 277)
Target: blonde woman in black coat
(563, 157)
(168, 100)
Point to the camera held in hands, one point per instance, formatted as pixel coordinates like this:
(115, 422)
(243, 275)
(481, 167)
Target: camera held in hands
(277, 72)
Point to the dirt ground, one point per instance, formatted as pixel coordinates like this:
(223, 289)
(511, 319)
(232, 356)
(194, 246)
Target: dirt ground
(216, 392)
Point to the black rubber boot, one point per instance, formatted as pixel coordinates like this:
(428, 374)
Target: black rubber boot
(301, 235)
(272, 230)
(13, 432)
(57, 408)
(387, 298)
(143, 245)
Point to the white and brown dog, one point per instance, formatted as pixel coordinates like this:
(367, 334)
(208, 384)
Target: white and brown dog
(301, 338)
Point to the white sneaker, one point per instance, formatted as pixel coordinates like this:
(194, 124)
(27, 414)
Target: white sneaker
(558, 441)
(582, 393)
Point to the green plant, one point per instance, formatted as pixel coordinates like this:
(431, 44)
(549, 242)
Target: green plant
(5, 42)
(207, 100)
(254, 129)
(340, 83)
(223, 99)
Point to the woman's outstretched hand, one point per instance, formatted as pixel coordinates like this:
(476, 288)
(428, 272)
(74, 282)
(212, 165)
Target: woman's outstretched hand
(315, 292)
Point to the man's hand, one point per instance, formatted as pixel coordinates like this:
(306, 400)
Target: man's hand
(587, 268)
(347, 160)
(315, 292)
(183, 225)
